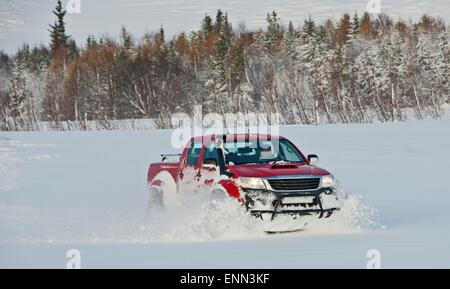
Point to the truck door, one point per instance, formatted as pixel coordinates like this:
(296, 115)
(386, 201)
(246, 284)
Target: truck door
(209, 172)
(189, 170)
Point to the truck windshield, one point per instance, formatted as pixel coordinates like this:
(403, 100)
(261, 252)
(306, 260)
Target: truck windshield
(261, 151)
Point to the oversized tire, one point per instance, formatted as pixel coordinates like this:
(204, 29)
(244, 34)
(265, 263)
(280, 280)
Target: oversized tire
(155, 202)
(219, 195)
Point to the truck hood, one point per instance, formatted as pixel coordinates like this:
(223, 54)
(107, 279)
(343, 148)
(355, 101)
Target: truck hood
(270, 170)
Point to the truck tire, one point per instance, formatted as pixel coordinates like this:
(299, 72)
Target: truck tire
(218, 195)
(155, 202)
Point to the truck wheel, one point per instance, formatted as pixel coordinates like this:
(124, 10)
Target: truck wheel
(218, 195)
(155, 202)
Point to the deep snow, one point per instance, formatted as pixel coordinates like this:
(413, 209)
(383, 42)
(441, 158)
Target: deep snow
(86, 190)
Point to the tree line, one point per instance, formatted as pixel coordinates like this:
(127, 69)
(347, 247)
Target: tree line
(358, 69)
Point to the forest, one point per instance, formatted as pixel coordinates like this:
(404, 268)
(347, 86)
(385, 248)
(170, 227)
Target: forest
(360, 68)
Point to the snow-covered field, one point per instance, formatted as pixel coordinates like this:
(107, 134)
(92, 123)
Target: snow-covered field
(86, 190)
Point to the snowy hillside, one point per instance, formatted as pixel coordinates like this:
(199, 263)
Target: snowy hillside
(86, 190)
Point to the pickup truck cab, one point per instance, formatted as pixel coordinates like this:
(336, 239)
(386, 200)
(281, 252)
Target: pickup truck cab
(268, 174)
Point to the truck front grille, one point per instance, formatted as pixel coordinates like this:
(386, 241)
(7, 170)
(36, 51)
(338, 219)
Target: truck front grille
(294, 184)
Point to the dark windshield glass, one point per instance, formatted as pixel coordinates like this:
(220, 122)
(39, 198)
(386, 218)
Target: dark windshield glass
(211, 152)
(261, 151)
(193, 153)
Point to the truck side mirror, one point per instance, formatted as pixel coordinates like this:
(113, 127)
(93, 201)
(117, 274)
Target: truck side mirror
(210, 163)
(313, 159)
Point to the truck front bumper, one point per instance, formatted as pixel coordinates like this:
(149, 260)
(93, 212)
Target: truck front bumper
(266, 204)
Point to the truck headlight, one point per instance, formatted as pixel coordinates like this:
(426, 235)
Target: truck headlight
(252, 183)
(327, 181)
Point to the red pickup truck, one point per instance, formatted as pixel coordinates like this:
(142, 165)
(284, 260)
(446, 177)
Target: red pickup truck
(268, 174)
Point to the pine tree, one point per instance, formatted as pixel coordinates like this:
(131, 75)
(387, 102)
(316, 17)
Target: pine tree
(390, 68)
(355, 24)
(441, 63)
(365, 80)
(161, 35)
(91, 42)
(171, 53)
(19, 81)
(290, 39)
(219, 21)
(274, 30)
(220, 62)
(227, 28)
(207, 26)
(434, 63)
(238, 63)
(309, 28)
(222, 49)
(58, 30)
(315, 56)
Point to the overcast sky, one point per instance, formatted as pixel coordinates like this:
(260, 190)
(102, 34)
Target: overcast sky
(27, 20)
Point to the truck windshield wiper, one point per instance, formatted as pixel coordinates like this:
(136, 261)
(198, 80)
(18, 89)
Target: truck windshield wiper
(270, 162)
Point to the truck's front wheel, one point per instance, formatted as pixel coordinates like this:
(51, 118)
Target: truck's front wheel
(155, 202)
(218, 195)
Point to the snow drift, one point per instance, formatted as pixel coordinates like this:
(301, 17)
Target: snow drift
(87, 190)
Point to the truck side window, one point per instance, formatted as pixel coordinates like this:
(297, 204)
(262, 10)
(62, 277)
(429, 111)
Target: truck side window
(211, 152)
(194, 153)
